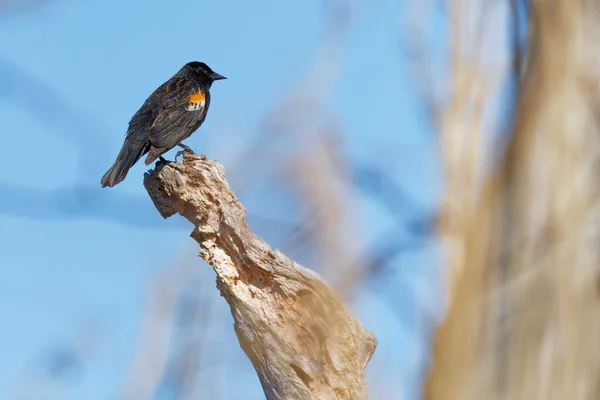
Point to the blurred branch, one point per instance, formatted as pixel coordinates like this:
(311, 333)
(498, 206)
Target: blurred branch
(374, 182)
(524, 315)
(78, 202)
(413, 42)
(302, 110)
(88, 136)
(302, 340)
(324, 184)
(197, 315)
(156, 333)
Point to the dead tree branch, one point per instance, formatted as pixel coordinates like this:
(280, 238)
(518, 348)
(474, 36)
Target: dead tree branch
(302, 340)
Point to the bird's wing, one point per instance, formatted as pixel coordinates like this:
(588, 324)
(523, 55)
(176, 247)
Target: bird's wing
(182, 107)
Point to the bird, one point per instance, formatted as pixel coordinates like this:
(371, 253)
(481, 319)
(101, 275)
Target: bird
(174, 111)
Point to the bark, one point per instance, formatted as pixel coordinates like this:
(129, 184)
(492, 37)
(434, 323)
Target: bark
(302, 340)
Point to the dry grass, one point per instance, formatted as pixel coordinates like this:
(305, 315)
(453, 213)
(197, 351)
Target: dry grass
(523, 319)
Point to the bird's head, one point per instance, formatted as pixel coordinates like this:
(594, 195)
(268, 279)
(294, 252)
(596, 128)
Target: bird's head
(203, 70)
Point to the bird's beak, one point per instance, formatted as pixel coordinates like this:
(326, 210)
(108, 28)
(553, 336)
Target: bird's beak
(215, 77)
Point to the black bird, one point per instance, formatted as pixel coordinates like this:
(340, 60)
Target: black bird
(170, 115)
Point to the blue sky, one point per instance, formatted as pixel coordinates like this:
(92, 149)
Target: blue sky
(72, 73)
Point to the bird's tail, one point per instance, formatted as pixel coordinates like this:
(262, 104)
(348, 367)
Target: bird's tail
(131, 151)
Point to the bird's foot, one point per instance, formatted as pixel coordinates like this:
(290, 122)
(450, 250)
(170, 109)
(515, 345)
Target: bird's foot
(162, 160)
(185, 148)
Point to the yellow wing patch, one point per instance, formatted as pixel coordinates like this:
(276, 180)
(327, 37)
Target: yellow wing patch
(197, 97)
(196, 102)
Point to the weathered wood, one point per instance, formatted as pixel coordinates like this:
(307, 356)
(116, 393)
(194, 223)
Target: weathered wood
(302, 340)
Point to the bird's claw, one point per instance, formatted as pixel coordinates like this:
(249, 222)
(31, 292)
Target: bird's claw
(186, 149)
